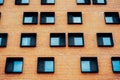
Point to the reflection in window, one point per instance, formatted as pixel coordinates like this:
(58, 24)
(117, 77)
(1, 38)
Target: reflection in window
(50, 1)
(55, 41)
(77, 19)
(49, 66)
(109, 19)
(28, 20)
(86, 66)
(17, 66)
(106, 41)
(26, 41)
(78, 41)
(49, 19)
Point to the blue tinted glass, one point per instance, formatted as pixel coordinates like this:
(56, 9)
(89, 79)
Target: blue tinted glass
(0, 41)
(17, 66)
(116, 65)
(106, 41)
(85, 66)
(49, 66)
(1, 1)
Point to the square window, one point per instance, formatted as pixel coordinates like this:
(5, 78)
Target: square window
(57, 40)
(45, 65)
(30, 18)
(78, 41)
(89, 65)
(77, 20)
(1, 2)
(75, 40)
(101, 2)
(83, 2)
(17, 67)
(3, 39)
(25, 1)
(74, 17)
(116, 64)
(14, 65)
(105, 40)
(85, 66)
(28, 40)
(111, 17)
(47, 18)
(22, 2)
(50, 1)
(49, 66)
(50, 20)
(47, 2)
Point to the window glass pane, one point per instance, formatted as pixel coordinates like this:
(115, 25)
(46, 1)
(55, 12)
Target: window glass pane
(77, 19)
(17, 66)
(28, 20)
(55, 41)
(1, 1)
(100, 1)
(106, 41)
(85, 65)
(109, 19)
(116, 65)
(50, 1)
(0, 41)
(49, 66)
(78, 41)
(80, 1)
(26, 41)
(49, 19)
(25, 1)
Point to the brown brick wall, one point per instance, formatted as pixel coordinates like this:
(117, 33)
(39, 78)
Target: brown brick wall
(67, 59)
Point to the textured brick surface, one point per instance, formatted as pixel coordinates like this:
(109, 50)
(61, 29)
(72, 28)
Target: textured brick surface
(67, 60)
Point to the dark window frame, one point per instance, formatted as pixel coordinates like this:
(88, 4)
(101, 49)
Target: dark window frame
(114, 15)
(33, 36)
(100, 42)
(114, 58)
(43, 2)
(34, 16)
(70, 16)
(43, 16)
(71, 37)
(4, 37)
(42, 59)
(87, 2)
(10, 63)
(2, 3)
(19, 2)
(62, 41)
(93, 59)
(96, 3)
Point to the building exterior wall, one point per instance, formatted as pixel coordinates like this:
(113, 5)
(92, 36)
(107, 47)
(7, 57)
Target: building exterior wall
(67, 59)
